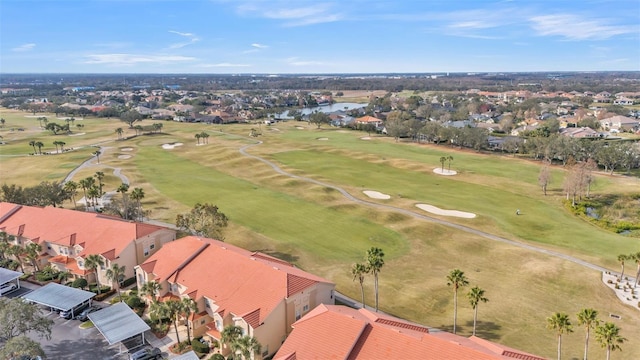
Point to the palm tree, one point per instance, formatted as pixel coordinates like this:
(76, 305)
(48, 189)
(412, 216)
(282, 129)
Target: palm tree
(159, 310)
(359, 271)
(588, 318)
(122, 189)
(456, 279)
(230, 334)
(97, 155)
(559, 322)
(71, 187)
(476, 295)
(39, 145)
(198, 136)
(16, 251)
(375, 262)
(115, 274)
(33, 143)
(205, 136)
(119, 131)
(86, 184)
(92, 263)
(174, 309)
(157, 127)
(636, 258)
(137, 194)
(245, 346)
(32, 252)
(94, 194)
(100, 176)
(443, 159)
(56, 145)
(449, 160)
(151, 288)
(621, 259)
(188, 307)
(62, 144)
(608, 335)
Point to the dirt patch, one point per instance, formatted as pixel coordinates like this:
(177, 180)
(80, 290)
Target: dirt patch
(171, 146)
(376, 195)
(445, 172)
(436, 210)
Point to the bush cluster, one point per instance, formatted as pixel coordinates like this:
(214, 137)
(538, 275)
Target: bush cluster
(199, 347)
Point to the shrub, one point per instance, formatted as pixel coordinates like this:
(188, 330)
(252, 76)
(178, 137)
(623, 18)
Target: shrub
(216, 356)
(79, 283)
(129, 281)
(134, 302)
(609, 281)
(198, 346)
(104, 295)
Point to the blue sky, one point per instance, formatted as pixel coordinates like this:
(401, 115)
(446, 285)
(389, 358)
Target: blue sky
(300, 36)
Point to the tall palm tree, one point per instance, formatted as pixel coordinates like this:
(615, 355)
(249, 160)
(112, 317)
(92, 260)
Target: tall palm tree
(100, 176)
(33, 143)
(92, 263)
(71, 187)
(449, 160)
(476, 295)
(559, 322)
(608, 335)
(245, 346)
(188, 307)
(359, 271)
(443, 159)
(375, 262)
(174, 309)
(39, 145)
(198, 136)
(97, 154)
(621, 259)
(115, 274)
(230, 334)
(589, 319)
(94, 194)
(636, 258)
(119, 131)
(159, 310)
(137, 194)
(32, 252)
(151, 288)
(86, 184)
(457, 279)
(56, 143)
(122, 189)
(205, 136)
(17, 251)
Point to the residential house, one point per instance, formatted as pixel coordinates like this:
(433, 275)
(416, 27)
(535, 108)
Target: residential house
(67, 237)
(232, 286)
(579, 132)
(620, 123)
(622, 101)
(340, 332)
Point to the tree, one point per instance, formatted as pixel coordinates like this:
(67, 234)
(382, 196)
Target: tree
(3, 121)
(21, 347)
(17, 252)
(86, 184)
(18, 317)
(157, 127)
(92, 263)
(375, 262)
(100, 176)
(245, 346)
(115, 274)
(137, 194)
(53, 127)
(94, 195)
(97, 155)
(39, 145)
(151, 289)
(198, 136)
(230, 334)
(188, 307)
(589, 319)
(476, 295)
(203, 220)
(33, 143)
(559, 322)
(119, 131)
(159, 311)
(32, 252)
(318, 118)
(130, 117)
(359, 271)
(80, 283)
(205, 137)
(544, 178)
(173, 311)
(449, 160)
(636, 258)
(621, 259)
(457, 279)
(608, 335)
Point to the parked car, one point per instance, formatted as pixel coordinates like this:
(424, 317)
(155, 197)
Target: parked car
(7, 288)
(71, 313)
(146, 354)
(84, 315)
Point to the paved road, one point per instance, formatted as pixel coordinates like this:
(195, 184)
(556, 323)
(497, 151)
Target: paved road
(276, 168)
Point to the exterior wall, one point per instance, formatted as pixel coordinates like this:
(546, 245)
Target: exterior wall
(272, 333)
(150, 244)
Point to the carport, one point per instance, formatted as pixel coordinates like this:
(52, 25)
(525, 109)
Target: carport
(191, 355)
(7, 276)
(59, 297)
(117, 323)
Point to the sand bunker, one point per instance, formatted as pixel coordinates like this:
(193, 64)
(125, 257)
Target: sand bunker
(376, 195)
(127, 149)
(436, 210)
(299, 128)
(365, 138)
(170, 146)
(323, 139)
(446, 172)
(201, 144)
(124, 156)
(77, 134)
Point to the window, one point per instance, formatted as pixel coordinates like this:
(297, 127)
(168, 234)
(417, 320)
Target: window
(265, 350)
(297, 314)
(219, 325)
(146, 252)
(305, 308)
(206, 304)
(152, 246)
(81, 263)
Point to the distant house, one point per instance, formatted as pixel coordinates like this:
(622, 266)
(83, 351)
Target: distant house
(579, 133)
(232, 286)
(67, 237)
(622, 101)
(340, 332)
(620, 123)
(369, 120)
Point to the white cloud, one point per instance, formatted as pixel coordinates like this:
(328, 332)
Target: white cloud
(192, 39)
(24, 47)
(314, 13)
(573, 27)
(132, 59)
(223, 65)
(259, 46)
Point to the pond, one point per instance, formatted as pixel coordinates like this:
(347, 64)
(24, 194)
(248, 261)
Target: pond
(324, 108)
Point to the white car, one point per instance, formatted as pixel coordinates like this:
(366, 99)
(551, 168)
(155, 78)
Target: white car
(7, 288)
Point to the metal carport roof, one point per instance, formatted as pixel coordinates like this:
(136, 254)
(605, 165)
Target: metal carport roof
(191, 355)
(7, 275)
(58, 296)
(118, 322)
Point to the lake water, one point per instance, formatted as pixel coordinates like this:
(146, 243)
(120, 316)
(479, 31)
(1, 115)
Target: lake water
(325, 109)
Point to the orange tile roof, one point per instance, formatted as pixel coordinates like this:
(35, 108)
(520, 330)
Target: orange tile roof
(339, 332)
(255, 286)
(368, 119)
(97, 233)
